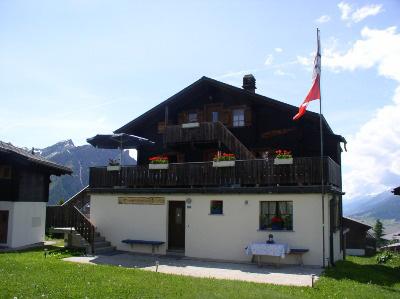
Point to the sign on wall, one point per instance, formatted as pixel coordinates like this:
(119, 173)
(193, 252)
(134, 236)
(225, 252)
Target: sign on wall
(141, 200)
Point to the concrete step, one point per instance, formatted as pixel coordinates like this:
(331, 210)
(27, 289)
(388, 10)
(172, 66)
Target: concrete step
(104, 249)
(99, 239)
(101, 244)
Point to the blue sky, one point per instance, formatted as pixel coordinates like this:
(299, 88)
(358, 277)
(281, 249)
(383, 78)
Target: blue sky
(71, 69)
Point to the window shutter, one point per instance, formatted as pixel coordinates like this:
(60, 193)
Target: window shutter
(226, 117)
(247, 117)
(200, 116)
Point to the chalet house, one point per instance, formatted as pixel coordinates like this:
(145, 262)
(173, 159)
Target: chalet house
(24, 192)
(205, 209)
(358, 240)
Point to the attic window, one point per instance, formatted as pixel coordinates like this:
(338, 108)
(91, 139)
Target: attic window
(238, 118)
(192, 117)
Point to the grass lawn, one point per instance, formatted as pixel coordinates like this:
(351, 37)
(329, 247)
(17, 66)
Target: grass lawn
(30, 275)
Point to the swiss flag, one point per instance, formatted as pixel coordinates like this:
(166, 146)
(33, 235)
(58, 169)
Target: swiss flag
(315, 92)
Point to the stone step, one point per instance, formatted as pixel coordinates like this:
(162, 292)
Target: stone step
(101, 244)
(104, 249)
(99, 239)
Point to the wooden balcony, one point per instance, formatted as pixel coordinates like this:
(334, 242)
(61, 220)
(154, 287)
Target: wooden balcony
(245, 173)
(204, 132)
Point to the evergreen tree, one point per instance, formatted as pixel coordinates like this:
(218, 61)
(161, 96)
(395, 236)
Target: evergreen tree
(378, 231)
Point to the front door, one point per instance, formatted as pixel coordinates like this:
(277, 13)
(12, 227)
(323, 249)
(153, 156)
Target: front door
(3, 226)
(176, 225)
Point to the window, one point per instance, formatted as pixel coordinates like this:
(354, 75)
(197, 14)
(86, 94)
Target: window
(214, 116)
(238, 118)
(276, 215)
(192, 117)
(216, 207)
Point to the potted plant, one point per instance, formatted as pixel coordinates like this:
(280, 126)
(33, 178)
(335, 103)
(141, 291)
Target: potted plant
(223, 160)
(113, 165)
(283, 157)
(277, 223)
(158, 162)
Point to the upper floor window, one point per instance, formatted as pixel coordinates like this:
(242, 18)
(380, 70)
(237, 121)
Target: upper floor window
(238, 118)
(192, 117)
(214, 116)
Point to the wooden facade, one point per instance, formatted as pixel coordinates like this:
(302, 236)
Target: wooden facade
(210, 116)
(25, 176)
(357, 236)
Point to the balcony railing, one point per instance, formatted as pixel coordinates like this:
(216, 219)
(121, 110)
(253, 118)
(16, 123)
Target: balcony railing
(303, 171)
(207, 132)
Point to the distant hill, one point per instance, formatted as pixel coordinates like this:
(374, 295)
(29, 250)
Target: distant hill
(384, 206)
(79, 158)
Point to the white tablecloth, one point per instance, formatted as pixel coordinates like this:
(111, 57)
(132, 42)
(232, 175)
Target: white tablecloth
(268, 249)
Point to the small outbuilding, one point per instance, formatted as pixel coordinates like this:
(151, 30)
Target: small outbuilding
(358, 241)
(396, 191)
(24, 193)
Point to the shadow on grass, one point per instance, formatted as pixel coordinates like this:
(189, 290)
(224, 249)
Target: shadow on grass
(377, 274)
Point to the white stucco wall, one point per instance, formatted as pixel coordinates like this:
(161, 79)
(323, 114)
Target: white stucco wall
(26, 222)
(222, 237)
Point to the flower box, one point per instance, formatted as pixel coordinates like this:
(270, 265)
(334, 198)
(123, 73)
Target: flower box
(283, 161)
(113, 167)
(158, 166)
(224, 163)
(190, 125)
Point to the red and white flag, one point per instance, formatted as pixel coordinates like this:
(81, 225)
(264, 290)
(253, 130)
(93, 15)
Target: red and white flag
(315, 92)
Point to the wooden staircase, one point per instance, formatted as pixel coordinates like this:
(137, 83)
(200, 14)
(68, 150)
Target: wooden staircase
(203, 132)
(69, 218)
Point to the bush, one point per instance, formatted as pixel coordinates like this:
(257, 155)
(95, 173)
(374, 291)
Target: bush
(384, 257)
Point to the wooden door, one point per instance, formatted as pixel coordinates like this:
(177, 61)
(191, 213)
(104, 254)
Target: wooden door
(176, 225)
(3, 226)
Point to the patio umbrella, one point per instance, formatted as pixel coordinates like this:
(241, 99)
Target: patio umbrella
(118, 141)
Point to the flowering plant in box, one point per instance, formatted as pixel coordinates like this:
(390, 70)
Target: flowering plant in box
(283, 154)
(158, 160)
(223, 157)
(276, 219)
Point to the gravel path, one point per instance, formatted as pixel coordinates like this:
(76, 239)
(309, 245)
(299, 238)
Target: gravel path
(284, 275)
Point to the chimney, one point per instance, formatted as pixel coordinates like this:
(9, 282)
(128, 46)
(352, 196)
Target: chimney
(249, 83)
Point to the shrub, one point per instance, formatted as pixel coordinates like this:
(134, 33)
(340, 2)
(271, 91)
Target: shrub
(384, 257)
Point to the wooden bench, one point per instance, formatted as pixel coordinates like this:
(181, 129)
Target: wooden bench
(299, 254)
(154, 244)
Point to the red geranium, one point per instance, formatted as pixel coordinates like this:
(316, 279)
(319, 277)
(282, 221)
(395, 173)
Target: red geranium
(223, 157)
(159, 159)
(283, 154)
(276, 219)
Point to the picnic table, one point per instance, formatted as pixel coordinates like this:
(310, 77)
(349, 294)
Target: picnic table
(279, 250)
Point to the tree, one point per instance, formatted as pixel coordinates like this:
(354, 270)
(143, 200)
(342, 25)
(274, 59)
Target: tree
(378, 232)
(60, 202)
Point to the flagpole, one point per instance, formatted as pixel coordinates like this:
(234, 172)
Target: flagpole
(322, 163)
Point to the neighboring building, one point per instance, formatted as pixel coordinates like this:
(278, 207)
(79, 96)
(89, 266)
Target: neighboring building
(391, 247)
(204, 211)
(392, 237)
(396, 191)
(24, 192)
(358, 241)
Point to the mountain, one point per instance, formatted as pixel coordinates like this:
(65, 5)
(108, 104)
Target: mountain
(384, 206)
(79, 158)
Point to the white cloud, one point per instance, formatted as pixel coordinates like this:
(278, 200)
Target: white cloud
(366, 11)
(323, 19)
(355, 16)
(269, 59)
(280, 72)
(345, 10)
(373, 159)
(278, 50)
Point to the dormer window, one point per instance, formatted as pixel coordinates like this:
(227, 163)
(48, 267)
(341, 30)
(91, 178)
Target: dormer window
(238, 118)
(192, 117)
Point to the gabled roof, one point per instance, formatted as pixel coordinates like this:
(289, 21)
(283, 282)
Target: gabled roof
(256, 98)
(19, 153)
(356, 222)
